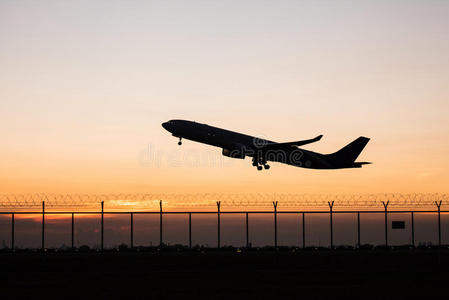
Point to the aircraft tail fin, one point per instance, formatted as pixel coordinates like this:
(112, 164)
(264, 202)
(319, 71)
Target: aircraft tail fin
(350, 152)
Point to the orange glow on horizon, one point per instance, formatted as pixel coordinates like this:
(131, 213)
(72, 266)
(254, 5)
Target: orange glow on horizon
(79, 116)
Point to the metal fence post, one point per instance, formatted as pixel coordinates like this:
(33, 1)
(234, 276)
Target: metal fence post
(386, 222)
(412, 216)
(132, 229)
(73, 231)
(275, 204)
(218, 224)
(331, 205)
(12, 232)
(160, 224)
(190, 230)
(43, 226)
(358, 230)
(303, 231)
(438, 204)
(247, 231)
(102, 226)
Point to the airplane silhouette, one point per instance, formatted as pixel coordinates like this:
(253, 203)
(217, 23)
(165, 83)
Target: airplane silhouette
(238, 145)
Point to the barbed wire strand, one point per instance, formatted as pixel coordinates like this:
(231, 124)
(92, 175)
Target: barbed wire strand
(208, 201)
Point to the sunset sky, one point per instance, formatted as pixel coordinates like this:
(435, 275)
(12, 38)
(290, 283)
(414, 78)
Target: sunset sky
(85, 86)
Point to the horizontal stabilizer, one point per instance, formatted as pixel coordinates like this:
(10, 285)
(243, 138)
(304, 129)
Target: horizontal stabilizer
(276, 146)
(360, 164)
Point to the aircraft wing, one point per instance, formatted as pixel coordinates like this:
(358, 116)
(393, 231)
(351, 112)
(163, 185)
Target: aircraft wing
(276, 146)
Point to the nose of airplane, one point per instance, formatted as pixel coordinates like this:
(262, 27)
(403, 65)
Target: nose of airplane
(166, 126)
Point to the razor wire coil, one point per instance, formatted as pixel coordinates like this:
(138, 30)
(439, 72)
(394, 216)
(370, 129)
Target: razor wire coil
(208, 200)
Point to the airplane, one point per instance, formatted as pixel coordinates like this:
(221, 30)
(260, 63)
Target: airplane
(238, 145)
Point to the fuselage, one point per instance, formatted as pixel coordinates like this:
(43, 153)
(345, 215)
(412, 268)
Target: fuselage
(230, 140)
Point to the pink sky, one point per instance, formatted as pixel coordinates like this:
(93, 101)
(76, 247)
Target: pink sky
(85, 87)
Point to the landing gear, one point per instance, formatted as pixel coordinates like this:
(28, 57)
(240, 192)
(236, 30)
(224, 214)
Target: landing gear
(260, 164)
(263, 162)
(180, 142)
(255, 163)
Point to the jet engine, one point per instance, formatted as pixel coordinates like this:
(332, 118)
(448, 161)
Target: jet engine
(234, 153)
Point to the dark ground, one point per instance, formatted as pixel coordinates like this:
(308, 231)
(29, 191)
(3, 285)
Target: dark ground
(364, 274)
